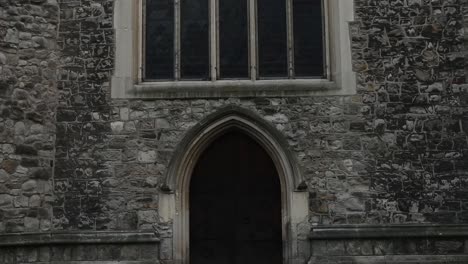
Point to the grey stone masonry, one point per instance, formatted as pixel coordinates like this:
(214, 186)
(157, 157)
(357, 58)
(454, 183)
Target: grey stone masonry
(28, 98)
(89, 253)
(80, 247)
(393, 153)
(73, 159)
(389, 244)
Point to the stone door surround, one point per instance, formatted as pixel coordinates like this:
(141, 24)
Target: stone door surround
(174, 202)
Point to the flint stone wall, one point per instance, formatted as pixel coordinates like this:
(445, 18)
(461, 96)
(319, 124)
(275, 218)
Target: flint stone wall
(72, 158)
(29, 57)
(395, 153)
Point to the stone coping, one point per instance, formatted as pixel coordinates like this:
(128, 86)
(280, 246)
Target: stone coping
(387, 231)
(86, 237)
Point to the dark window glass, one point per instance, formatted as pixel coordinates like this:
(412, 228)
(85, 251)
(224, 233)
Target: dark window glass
(308, 41)
(233, 39)
(159, 39)
(194, 46)
(272, 40)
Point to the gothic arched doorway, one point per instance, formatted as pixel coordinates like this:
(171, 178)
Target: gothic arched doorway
(235, 204)
(174, 201)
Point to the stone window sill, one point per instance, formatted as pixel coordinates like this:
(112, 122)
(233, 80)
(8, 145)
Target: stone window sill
(232, 88)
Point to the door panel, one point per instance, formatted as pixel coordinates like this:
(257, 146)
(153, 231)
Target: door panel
(235, 204)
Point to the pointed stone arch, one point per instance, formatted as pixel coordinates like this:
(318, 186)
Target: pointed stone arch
(202, 134)
(174, 200)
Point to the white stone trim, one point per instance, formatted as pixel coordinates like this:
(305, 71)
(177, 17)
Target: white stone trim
(340, 13)
(127, 53)
(127, 80)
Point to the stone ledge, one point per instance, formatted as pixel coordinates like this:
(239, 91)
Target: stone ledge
(388, 231)
(102, 262)
(28, 239)
(390, 259)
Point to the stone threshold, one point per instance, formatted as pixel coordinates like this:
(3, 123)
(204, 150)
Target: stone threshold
(387, 231)
(87, 237)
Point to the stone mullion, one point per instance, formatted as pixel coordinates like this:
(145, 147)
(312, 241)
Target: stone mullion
(290, 37)
(252, 9)
(214, 40)
(177, 40)
(465, 27)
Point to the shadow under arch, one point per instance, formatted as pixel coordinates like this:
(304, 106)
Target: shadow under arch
(174, 200)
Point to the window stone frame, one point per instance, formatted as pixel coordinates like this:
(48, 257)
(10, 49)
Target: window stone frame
(126, 82)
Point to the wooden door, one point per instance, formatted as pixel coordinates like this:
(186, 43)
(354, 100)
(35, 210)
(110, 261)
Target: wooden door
(235, 204)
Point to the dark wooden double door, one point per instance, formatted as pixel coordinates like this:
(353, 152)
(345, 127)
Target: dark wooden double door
(235, 204)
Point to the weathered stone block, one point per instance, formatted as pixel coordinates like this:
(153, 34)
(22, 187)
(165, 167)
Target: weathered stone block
(61, 253)
(44, 253)
(31, 224)
(147, 217)
(5, 200)
(108, 252)
(166, 251)
(149, 252)
(148, 156)
(446, 247)
(130, 252)
(353, 247)
(335, 248)
(29, 186)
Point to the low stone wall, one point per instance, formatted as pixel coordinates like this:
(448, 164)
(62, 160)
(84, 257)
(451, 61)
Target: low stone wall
(389, 245)
(70, 248)
(91, 253)
(405, 259)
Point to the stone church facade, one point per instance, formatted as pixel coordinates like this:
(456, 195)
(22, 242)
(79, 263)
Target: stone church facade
(379, 175)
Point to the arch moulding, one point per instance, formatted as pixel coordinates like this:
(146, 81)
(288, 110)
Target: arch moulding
(174, 199)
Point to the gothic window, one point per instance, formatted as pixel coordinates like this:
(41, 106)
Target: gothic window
(232, 48)
(233, 39)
